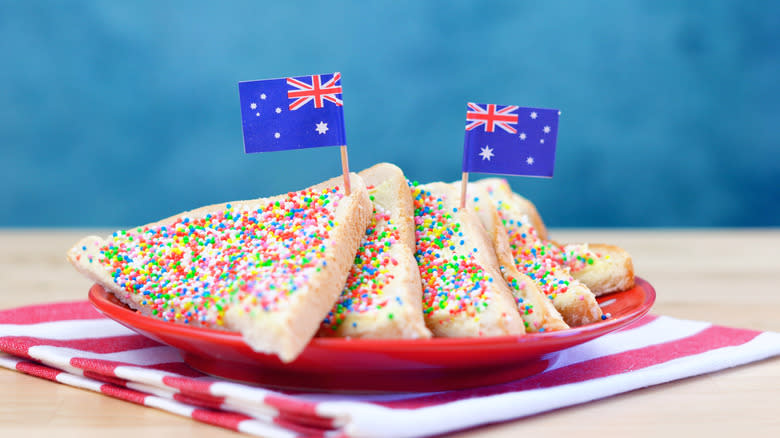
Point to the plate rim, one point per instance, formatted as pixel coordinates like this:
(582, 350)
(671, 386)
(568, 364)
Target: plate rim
(99, 298)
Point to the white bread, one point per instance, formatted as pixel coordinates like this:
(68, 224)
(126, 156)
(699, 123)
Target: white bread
(521, 205)
(603, 268)
(537, 311)
(464, 293)
(383, 294)
(269, 268)
(538, 259)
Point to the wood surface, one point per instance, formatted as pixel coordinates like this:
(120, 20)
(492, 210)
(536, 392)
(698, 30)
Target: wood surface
(729, 277)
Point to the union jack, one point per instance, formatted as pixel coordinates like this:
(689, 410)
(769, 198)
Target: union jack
(491, 118)
(317, 91)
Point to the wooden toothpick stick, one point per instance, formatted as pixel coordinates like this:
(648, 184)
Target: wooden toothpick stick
(345, 169)
(463, 184)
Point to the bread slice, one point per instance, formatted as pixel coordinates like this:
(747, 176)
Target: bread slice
(539, 259)
(268, 268)
(521, 205)
(464, 293)
(535, 308)
(603, 268)
(383, 294)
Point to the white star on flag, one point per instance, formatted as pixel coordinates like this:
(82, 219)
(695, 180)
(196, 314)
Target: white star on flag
(541, 140)
(257, 114)
(522, 136)
(546, 129)
(533, 114)
(253, 105)
(486, 153)
(321, 128)
(530, 160)
(277, 135)
(262, 96)
(278, 110)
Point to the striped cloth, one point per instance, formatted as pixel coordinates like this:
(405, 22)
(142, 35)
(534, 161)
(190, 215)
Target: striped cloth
(72, 344)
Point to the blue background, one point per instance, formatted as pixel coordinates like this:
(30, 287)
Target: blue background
(119, 113)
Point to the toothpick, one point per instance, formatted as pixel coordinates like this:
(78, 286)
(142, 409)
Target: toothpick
(345, 169)
(464, 183)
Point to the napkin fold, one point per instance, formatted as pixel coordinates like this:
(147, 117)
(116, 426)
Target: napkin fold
(72, 343)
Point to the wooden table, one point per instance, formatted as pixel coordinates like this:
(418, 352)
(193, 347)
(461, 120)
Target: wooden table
(725, 276)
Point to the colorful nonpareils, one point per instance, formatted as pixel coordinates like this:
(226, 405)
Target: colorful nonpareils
(190, 270)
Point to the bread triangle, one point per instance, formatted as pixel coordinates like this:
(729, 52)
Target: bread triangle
(383, 294)
(537, 311)
(464, 293)
(520, 204)
(603, 268)
(269, 268)
(537, 258)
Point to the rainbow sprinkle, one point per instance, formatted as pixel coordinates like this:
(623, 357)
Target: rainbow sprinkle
(539, 259)
(193, 269)
(364, 290)
(452, 284)
(577, 257)
(524, 308)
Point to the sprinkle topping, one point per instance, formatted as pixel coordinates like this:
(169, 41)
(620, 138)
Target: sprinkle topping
(577, 257)
(524, 308)
(191, 270)
(364, 290)
(535, 257)
(452, 284)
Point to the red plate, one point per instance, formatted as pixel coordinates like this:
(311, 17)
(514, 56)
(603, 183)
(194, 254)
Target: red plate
(379, 365)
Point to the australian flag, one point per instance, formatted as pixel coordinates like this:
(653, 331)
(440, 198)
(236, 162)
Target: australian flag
(510, 140)
(292, 113)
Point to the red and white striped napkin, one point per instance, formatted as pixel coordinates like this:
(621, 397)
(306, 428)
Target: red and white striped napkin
(72, 344)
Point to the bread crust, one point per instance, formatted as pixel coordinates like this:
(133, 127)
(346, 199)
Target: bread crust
(284, 331)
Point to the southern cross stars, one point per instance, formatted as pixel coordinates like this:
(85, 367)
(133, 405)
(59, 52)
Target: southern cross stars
(321, 128)
(486, 153)
(529, 160)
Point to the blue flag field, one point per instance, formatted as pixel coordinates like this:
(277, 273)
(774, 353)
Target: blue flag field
(292, 113)
(510, 140)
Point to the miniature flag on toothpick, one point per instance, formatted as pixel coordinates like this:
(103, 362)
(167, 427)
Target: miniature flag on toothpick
(509, 140)
(294, 113)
